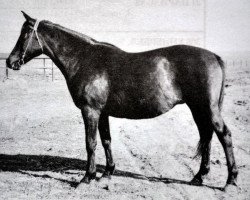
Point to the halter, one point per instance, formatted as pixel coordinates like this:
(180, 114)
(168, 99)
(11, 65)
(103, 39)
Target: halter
(40, 44)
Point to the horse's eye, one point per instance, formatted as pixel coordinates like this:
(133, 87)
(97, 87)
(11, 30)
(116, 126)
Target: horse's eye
(26, 35)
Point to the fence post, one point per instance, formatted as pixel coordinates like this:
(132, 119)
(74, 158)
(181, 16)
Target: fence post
(7, 72)
(52, 71)
(44, 72)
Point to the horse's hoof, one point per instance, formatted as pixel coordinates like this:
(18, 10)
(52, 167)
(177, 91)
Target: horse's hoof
(88, 177)
(196, 181)
(108, 172)
(106, 175)
(74, 184)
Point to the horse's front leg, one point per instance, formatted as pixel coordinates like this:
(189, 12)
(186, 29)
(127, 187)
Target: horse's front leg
(104, 131)
(91, 118)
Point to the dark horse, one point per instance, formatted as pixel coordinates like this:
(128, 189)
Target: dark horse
(104, 81)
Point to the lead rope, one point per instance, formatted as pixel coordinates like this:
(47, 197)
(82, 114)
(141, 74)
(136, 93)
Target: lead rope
(39, 42)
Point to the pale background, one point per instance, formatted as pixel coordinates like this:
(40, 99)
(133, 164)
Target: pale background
(135, 25)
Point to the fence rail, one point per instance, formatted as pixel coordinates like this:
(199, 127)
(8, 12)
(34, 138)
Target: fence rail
(237, 62)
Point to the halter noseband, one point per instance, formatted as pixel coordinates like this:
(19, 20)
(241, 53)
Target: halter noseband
(40, 44)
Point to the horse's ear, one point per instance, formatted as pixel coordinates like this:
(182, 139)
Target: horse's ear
(27, 17)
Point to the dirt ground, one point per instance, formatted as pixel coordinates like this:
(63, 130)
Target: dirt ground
(42, 147)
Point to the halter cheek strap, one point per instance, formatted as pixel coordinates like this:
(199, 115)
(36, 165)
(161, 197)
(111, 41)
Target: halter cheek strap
(35, 30)
(30, 39)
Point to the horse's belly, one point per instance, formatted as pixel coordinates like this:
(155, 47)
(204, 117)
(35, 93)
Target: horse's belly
(141, 111)
(152, 104)
(155, 93)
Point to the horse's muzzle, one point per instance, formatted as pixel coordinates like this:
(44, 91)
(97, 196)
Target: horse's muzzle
(15, 65)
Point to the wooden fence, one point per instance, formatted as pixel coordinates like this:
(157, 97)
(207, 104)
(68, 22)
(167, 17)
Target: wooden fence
(44, 68)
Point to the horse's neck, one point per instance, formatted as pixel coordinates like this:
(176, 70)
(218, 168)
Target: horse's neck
(63, 48)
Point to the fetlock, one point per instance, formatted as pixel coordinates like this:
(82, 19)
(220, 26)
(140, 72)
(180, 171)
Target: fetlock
(232, 177)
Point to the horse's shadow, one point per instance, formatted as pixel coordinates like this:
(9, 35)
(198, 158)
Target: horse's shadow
(26, 163)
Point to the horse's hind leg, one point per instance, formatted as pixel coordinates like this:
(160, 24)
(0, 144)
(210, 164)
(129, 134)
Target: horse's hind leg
(209, 120)
(205, 129)
(104, 131)
(225, 138)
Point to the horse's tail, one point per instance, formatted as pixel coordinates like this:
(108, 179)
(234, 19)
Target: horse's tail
(203, 145)
(222, 65)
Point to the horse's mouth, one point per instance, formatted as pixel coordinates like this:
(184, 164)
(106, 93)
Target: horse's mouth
(16, 66)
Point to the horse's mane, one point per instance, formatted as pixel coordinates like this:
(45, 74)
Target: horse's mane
(80, 35)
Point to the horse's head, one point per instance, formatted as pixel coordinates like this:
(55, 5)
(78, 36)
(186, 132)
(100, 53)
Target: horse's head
(28, 44)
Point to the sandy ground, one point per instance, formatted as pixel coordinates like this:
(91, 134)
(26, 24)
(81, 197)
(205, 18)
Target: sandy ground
(42, 147)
